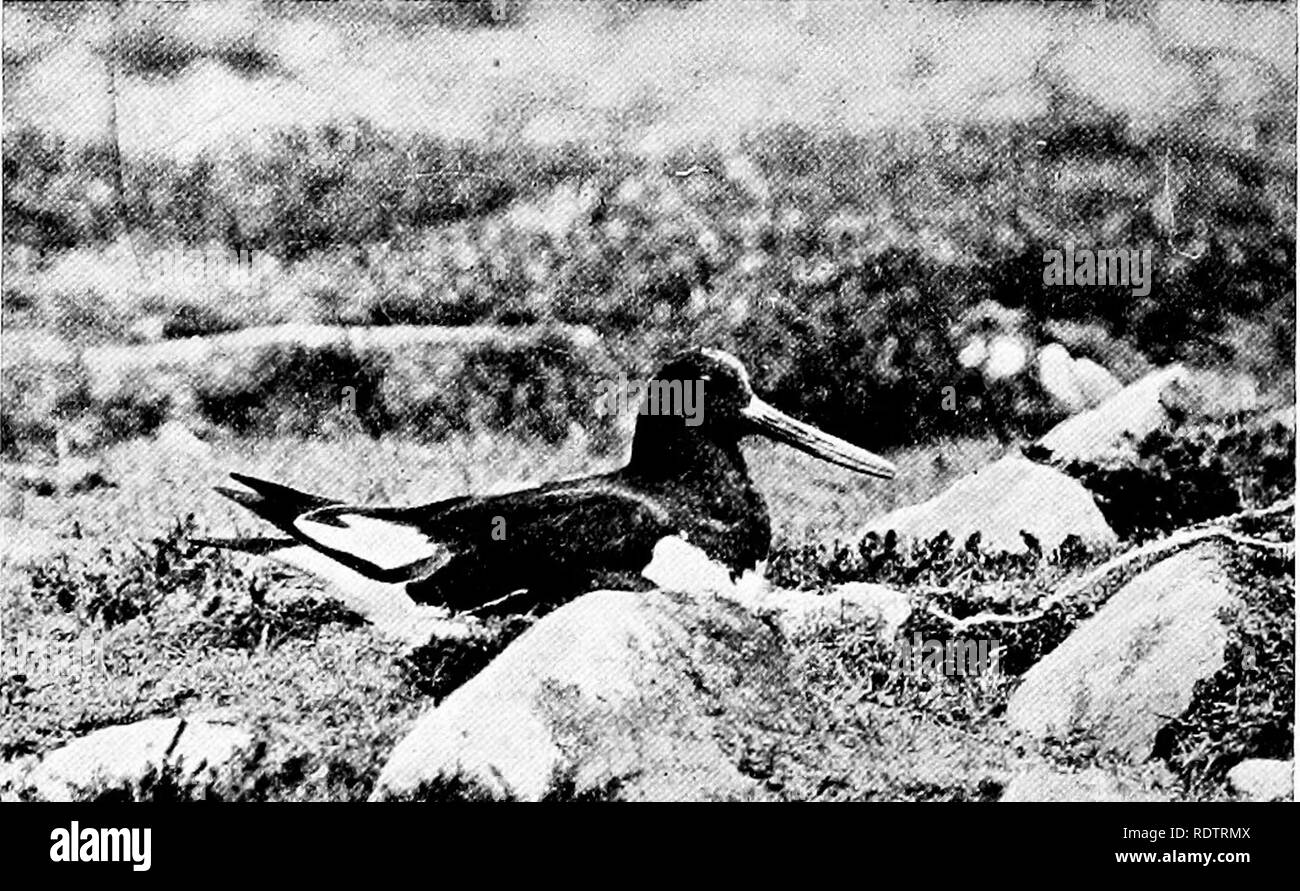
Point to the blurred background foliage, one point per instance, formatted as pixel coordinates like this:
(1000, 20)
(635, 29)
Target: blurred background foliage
(829, 193)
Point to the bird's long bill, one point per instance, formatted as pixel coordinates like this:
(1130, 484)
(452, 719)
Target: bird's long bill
(779, 426)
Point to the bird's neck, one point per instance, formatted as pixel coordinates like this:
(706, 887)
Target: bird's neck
(705, 480)
(663, 451)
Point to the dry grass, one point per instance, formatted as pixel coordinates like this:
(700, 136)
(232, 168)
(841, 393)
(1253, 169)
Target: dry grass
(704, 73)
(188, 631)
(185, 632)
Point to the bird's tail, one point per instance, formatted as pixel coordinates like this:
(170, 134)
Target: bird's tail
(277, 504)
(385, 604)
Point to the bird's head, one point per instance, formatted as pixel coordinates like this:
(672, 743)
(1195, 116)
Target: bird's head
(709, 391)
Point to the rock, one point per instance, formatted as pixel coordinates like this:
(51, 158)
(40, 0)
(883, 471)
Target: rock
(203, 745)
(1087, 340)
(1112, 428)
(799, 613)
(1074, 384)
(634, 695)
(1261, 779)
(1043, 783)
(1125, 672)
(993, 340)
(1000, 501)
(1207, 393)
(120, 757)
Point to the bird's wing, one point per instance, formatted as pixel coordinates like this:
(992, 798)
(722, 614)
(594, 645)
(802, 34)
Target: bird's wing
(378, 542)
(587, 521)
(558, 538)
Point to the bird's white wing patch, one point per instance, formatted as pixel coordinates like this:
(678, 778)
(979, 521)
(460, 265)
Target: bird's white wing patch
(385, 544)
(384, 605)
(677, 565)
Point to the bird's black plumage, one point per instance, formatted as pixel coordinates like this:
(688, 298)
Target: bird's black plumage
(686, 477)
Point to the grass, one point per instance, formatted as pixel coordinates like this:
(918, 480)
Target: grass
(992, 63)
(881, 184)
(133, 622)
(128, 621)
(841, 246)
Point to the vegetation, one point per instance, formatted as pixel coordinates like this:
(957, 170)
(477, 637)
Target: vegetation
(840, 248)
(183, 630)
(1201, 471)
(840, 266)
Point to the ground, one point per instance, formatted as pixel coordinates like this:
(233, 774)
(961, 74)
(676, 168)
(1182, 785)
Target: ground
(137, 622)
(160, 628)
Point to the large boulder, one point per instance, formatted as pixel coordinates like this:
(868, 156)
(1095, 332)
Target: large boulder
(1112, 428)
(1127, 671)
(635, 695)
(1108, 433)
(119, 758)
(1094, 342)
(1009, 497)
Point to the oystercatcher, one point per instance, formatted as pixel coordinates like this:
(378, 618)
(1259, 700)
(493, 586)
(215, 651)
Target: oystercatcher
(543, 546)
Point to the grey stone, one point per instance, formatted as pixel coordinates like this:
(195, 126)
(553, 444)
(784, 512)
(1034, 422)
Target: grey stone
(1125, 672)
(121, 756)
(1262, 779)
(620, 694)
(1010, 496)
(1109, 431)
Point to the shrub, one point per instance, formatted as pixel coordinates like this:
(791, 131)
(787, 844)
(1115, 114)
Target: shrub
(123, 585)
(1206, 470)
(293, 389)
(837, 266)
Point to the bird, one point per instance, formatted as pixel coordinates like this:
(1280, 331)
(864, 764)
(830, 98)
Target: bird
(686, 479)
